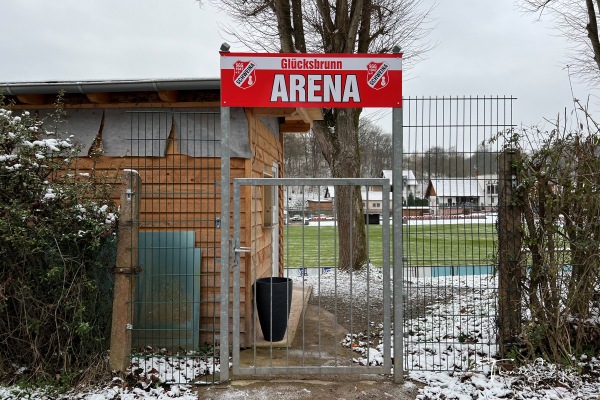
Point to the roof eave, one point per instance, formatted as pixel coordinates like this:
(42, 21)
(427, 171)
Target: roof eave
(143, 85)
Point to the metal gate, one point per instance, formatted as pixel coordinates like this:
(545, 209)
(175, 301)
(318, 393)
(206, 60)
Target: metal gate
(339, 320)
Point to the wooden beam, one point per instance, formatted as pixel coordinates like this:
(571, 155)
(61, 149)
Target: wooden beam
(169, 96)
(316, 114)
(98, 98)
(294, 127)
(306, 115)
(273, 111)
(299, 115)
(32, 98)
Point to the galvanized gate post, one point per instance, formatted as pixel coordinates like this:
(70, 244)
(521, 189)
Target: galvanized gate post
(397, 185)
(225, 204)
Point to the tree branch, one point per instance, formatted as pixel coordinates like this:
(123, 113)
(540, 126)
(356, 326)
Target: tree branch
(297, 19)
(329, 28)
(341, 23)
(365, 28)
(357, 13)
(284, 25)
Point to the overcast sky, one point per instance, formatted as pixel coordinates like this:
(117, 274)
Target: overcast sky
(485, 47)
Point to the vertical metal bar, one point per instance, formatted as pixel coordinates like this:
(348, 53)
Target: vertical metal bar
(253, 204)
(385, 238)
(367, 228)
(236, 276)
(397, 143)
(224, 311)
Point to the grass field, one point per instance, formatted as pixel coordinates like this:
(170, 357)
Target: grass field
(443, 245)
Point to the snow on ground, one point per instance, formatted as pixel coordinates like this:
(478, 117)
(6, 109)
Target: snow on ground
(455, 334)
(460, 319)
(151, 377)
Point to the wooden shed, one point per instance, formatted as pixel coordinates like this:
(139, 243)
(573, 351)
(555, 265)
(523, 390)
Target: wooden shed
(169, 132)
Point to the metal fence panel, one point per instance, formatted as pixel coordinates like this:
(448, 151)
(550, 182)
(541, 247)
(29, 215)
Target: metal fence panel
(450, 176)
(175, 310)
(334, 311)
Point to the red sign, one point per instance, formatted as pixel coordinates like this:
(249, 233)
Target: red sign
(311, 80)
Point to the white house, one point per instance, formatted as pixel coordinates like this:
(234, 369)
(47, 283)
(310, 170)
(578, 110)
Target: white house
(489, 186)
(372, 200)
(458, 193)
(409, 182)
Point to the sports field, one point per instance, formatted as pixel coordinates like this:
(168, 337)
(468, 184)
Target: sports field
(430, 245)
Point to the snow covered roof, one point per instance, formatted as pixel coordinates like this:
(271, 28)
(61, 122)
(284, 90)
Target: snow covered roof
(409, 177)
(372, 195)
(454, 188)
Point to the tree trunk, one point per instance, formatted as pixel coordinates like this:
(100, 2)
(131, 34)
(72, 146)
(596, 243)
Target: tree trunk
(509, 254)
(284, 25)
(338, 139)
(592, 30)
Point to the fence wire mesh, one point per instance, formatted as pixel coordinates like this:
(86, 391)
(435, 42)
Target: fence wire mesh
(176, 306)
(451, 200)
(340, 319)
(450, 196)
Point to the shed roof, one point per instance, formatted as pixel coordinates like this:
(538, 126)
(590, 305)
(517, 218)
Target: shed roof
(407, 174)
(95, 86)
(141, 92)
(454, 188)
(366, 195)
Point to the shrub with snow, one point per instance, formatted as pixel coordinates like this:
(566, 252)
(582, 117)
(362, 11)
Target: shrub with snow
(56, 252)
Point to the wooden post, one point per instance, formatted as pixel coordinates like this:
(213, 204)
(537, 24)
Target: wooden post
(510, 272)
(125, 270)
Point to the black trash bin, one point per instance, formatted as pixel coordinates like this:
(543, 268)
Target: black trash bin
(273, 303)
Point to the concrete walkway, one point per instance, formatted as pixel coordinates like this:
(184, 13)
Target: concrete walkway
(309, 389)
(320, 387)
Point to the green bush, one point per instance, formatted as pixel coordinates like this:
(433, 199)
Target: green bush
(416, 201)
(57, 245)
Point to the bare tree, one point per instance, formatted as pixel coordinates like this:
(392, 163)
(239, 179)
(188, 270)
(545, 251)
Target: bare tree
(375, 149)
(577, 20)
(557, 195)
(334, 26)
(302, 158)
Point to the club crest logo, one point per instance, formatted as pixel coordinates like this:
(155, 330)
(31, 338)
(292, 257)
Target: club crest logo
(244, 74)
(377, 75)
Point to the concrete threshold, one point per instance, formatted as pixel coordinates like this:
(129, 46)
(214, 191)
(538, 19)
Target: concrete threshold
(300, 297)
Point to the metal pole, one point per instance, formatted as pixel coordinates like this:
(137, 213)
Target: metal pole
(225, 222)
(397, 185)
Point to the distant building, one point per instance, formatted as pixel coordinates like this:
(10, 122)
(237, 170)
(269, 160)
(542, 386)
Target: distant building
(308, 200)
(489, 186)
(409, 182)
(454, 196)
